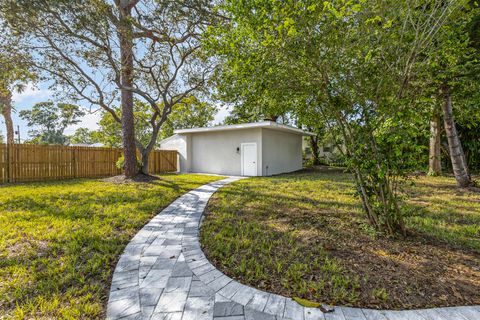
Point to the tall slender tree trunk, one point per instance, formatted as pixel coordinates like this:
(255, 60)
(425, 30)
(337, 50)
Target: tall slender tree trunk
(459, 164)
(6, 108)
(126, 55)
(434, 161)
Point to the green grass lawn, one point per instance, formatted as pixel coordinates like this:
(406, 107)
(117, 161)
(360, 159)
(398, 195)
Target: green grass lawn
(304, 235)
(59, 241)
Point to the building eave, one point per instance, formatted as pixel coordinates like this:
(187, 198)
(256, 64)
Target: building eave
(264, 124)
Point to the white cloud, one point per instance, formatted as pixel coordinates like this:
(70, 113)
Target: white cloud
(31, 93)
(222, 113)
(89, 121)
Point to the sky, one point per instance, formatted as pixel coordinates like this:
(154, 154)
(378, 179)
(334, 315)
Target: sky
(31, 95)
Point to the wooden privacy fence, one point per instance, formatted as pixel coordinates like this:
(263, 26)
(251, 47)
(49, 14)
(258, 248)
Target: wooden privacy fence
(26, 162)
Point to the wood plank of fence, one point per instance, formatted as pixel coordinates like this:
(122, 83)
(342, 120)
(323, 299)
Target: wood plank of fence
(27, 162)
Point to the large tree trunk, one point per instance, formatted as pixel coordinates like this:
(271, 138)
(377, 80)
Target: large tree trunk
(145, 152)
(6, 108)
(126, 52)
(459, 164)
(315, 150)
(434, 161)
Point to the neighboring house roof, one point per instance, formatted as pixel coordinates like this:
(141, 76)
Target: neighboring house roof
(98, 145)
(264, 124)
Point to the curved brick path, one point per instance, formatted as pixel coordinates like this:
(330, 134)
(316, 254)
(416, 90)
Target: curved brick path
(163, 274)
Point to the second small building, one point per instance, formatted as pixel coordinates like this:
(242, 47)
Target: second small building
(249, 149)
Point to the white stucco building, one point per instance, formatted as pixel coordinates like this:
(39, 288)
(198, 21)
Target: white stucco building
(249, 149)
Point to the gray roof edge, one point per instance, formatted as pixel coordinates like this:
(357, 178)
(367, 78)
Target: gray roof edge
(251, 125)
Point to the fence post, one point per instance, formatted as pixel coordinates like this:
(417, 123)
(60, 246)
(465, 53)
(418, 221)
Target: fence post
(9, 162)
(74, 161)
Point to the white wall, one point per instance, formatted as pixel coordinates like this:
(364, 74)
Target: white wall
(216, 152)
(282, 152)
(181, 143)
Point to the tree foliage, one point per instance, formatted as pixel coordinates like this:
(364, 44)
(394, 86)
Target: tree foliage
(450, 80)
(189, 113)
(15, 73)
(350, 64)
(83, 136)
(105, 51)
(50, 120)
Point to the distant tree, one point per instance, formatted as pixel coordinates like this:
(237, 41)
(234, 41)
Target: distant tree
(310, 119)
(110, 131)
(84, 136)
(50, 120)
(189, 113)
(239, 114)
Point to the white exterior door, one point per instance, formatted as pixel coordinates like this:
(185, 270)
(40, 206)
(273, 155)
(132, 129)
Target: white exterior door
(249, 159)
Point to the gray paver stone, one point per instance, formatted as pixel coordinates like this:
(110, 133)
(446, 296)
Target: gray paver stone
(251, 314)
(243, 295)
(373, 314)
(199, 308)
(353, 313)
(230, 289)
(156, 279)
(122, 308)
(150, 296)
(181, 269)
(178, 284)
(219, 283)
(258, 301)
(275, 305)
(313, 314)
(171, 302)
(167, 316)
(336, 314)
(293, 310)
(224, 309)
(199, 289)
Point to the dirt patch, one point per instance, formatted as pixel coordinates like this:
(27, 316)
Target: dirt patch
(23, 247)
(122, 179)
(416, 272)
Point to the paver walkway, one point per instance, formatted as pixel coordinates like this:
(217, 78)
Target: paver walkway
(163, 274)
